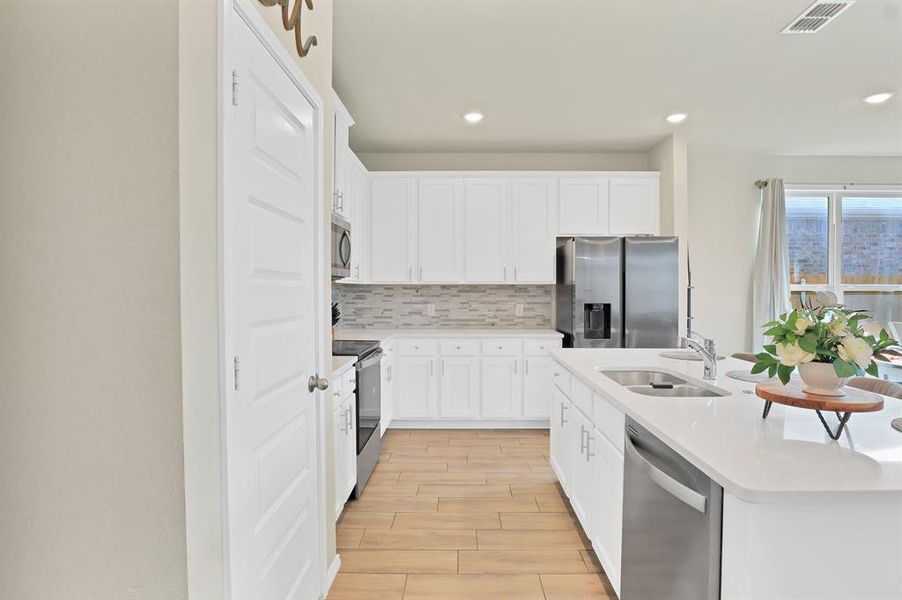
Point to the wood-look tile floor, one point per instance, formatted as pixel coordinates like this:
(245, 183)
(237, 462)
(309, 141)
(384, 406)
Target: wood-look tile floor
(465, 514)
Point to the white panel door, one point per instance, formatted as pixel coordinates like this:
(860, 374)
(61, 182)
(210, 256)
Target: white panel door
(634, 206)
(272, 422)
(415, 393)
(459, 388)
(583, 206)
(537, 386)
(533, 203)
(486, 210)
(440, 228)
(502, 388)
(391, 217)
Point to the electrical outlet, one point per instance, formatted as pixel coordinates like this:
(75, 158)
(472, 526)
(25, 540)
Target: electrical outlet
(518, 309)
(430, 310)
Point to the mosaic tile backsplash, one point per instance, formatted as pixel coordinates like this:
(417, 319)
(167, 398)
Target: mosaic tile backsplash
(456, 306)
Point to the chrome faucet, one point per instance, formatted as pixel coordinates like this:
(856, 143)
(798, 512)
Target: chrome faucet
(707, 350)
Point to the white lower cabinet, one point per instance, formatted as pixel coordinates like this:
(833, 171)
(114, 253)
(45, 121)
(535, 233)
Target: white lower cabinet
(606, 523)
(344, 440)
(502, 388)
(537, 387)
(415, 395)
(387, 391)
(560, 412)
(461, 379)
(589, 465)
(459, 388)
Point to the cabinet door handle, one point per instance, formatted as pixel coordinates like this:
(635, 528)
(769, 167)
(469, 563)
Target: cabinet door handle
(505, 272)
(409, 273)
(443, 366)
(583, 446)
(432, 367)
(350, 421)
(589, 453)
(421, 272)
(515, 365)
(515, 273)
(526, 366)
(563, 420)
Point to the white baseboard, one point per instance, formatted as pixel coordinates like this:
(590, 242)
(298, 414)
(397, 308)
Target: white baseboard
(470, 424)
(332, 574)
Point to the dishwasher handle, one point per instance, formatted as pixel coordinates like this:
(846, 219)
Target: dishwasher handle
(665, 481)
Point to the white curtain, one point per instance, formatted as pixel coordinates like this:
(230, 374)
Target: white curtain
(770, 288)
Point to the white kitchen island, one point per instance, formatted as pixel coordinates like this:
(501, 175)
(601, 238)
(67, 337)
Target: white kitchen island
(803, 516)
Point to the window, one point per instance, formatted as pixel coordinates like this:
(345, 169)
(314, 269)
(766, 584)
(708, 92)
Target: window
(848, 244)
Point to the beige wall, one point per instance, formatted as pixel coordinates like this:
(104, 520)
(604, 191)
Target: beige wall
(91, 501)
(670, 158)
(723, 212)
(501, 161)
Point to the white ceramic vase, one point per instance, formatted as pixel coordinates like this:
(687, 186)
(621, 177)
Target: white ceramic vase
(820, 378)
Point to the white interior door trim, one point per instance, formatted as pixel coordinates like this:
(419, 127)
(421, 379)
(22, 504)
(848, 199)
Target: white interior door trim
(247, 12)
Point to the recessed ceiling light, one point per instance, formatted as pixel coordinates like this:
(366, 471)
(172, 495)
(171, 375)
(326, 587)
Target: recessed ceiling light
(474, 117)
(878, 98)
(677, 117)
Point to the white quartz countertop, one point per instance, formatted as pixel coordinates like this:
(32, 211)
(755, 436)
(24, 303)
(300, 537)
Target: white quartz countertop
(340, 364)
(785, 458)
(383, 335)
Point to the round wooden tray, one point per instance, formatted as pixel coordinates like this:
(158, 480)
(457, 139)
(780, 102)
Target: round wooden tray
(791, 394)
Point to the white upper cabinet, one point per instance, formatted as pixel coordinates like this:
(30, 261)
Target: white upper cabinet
(358, 201)
(341, 123)
(392, 204)
(486, 216)
(532, 207)
(634, 206)
(440, 229)
(584, 206)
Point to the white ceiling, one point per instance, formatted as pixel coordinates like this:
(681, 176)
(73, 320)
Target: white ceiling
(600, 75)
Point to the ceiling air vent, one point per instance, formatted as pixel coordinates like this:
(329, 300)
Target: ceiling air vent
(817, 16)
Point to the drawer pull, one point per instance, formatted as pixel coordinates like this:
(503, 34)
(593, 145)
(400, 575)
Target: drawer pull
(458, 347)
(500, 347)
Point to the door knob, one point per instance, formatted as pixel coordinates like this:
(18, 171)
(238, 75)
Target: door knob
(317, 383)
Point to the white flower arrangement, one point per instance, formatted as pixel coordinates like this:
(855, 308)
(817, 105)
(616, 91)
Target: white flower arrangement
(825, 335)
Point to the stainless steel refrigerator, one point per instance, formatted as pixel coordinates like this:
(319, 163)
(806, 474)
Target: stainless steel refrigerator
(617, 292)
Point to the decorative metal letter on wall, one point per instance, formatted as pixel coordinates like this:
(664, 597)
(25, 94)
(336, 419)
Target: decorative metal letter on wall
(291, 19)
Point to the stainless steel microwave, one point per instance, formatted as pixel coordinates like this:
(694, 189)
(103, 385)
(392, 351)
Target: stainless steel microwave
(341, 248)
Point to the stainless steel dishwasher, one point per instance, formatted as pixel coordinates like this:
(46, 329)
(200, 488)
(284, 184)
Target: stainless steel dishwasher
(671, 523)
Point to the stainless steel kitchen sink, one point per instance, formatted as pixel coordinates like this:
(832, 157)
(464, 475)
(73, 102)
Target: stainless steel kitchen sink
(677, 391)
(663, 385)
(644, 378)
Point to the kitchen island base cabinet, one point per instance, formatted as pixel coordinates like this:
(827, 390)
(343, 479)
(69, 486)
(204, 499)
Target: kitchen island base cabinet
(344, 436)
(789, 551)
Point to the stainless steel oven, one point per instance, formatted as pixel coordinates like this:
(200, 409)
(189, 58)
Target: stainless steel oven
(341, 248)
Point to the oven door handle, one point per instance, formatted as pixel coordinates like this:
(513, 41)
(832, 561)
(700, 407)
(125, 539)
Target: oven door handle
(370, 359)
(676, 489)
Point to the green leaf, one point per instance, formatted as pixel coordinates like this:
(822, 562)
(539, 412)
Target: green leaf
(873, 369)
(772, 348)
(791, 338)
(773, 331)
(760, 367)
(764, 357)
(784, 373)
(808, 342)
(772, 370)
(844, 369)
